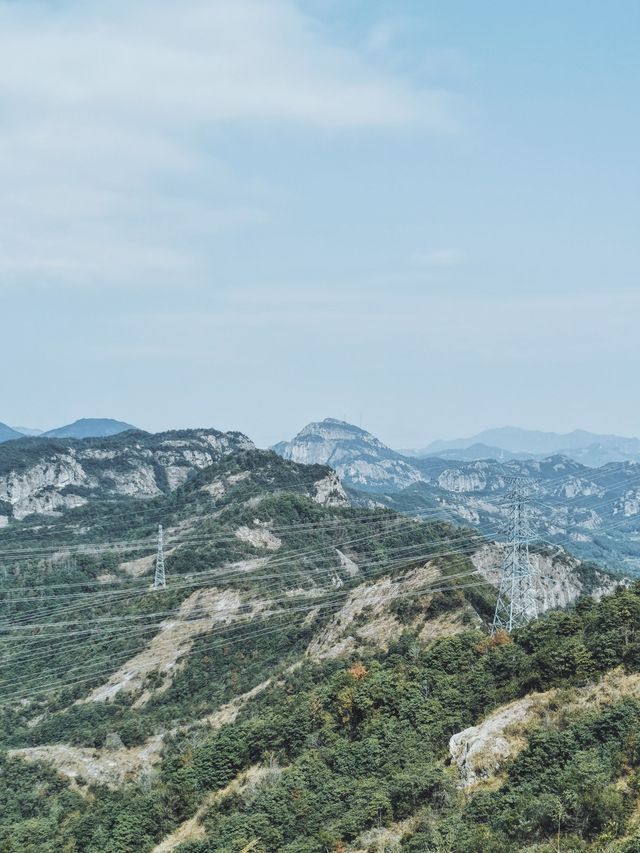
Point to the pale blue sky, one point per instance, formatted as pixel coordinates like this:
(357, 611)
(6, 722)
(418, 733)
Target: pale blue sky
(250, 214)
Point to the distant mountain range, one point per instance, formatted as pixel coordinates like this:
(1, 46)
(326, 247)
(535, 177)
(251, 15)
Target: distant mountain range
(83, 428)
(595, 513)
(589, 448)
(474, 453)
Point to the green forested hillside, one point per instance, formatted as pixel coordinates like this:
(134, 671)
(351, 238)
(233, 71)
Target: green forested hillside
(296, 686)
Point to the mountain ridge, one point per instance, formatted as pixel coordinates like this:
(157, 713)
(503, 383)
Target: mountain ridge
(51, 475)
(538, 443)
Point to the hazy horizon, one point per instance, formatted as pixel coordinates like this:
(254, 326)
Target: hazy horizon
(395, 446)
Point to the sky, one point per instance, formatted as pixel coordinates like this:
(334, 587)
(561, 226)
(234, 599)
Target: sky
(251, 214)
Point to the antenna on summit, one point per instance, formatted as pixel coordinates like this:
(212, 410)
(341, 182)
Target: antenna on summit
(517, 601)
(160, 581)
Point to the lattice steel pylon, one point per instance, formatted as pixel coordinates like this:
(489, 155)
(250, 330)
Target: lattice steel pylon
(517, 598)
(160, 581)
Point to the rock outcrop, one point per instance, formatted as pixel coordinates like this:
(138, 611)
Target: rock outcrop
(329, 492)
(559, 578)
(480, 752)
(47, 476)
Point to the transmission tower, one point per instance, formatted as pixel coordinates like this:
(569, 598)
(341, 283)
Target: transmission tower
(517, 603)
(160, 581)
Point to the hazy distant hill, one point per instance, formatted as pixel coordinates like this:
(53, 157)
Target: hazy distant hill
(27, 430)
(89, 428)
(7, 433)
(588, 448)
(476, 452)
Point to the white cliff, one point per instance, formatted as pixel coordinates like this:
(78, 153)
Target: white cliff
(359, 458)
(51, 478)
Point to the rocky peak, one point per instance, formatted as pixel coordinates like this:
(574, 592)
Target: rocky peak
(359, 457)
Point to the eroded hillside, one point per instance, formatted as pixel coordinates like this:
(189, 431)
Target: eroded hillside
(296, 685)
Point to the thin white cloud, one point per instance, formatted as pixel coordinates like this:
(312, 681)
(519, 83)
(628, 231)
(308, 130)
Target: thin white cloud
(105, 104)
(438, 258)
(219, 60)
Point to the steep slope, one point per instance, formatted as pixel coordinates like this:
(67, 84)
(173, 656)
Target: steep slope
(89, 428)
(367, 744)
(360, 459)
(48, 476)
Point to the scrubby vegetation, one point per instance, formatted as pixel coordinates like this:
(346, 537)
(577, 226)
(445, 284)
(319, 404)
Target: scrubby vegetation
(348, 745)
(357, 744)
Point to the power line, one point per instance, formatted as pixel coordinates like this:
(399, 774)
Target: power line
(329, 604)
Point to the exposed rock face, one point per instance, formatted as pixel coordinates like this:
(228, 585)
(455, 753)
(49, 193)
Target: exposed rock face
(56, 475)
(329, 492)
(41, 488)
(259, 537)
(579, 487)
(629, 503)
(480, 751)
(558, 576)
(198, 614)
(358, 457)
(455, 480)
(349, 627)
